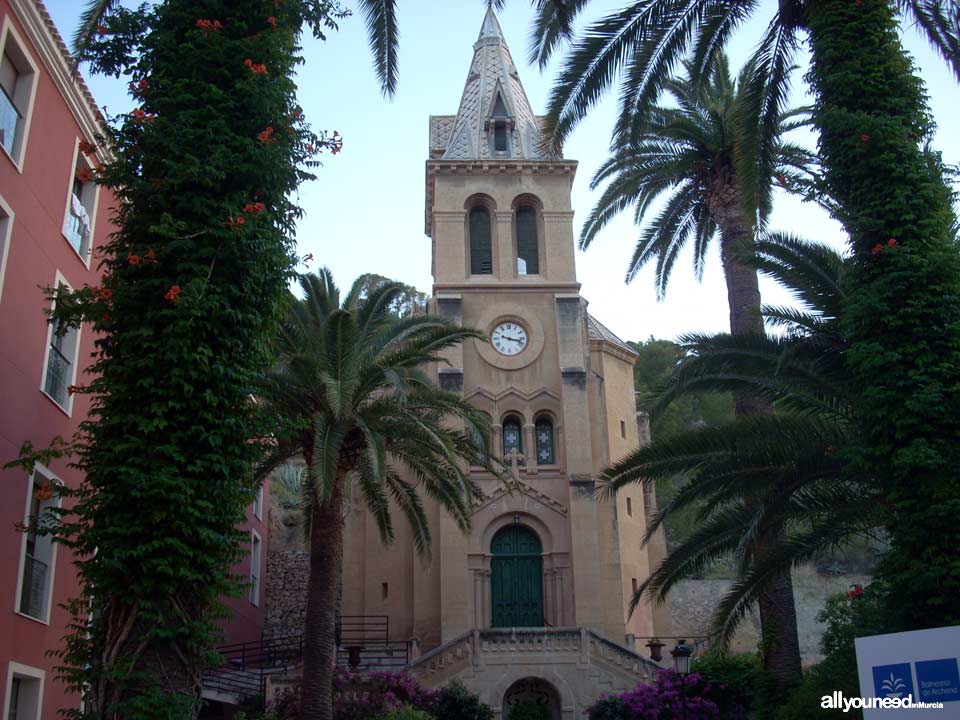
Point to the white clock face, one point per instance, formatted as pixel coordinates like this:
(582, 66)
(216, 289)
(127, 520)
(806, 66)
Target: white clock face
(509, 338)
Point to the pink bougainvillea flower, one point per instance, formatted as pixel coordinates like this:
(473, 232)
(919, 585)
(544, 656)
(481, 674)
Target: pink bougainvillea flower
(272, 21)
(876, 249)
(133, 259)
(173, 294)
(864, 138)
(892, 242)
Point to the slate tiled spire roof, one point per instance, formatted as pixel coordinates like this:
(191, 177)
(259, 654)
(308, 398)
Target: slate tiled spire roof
(492, 90)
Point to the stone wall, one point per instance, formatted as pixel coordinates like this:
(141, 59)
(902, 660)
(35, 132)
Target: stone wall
(693, 602)
(286, 591)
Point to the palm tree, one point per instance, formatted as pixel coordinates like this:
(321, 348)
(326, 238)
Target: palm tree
(771, 481)
(687, 153)
(351, 397)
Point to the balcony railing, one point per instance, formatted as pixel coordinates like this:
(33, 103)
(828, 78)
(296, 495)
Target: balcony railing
(58, 375)
(9, 117)
(33, 592)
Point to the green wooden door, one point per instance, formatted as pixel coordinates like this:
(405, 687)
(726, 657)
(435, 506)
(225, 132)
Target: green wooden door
(517, 578)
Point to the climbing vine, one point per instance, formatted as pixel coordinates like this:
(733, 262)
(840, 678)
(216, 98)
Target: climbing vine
(903, 305)
(193, 280)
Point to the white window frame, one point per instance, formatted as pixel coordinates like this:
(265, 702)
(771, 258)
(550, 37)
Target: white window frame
(84, 253)
(6, 233)
(48, 604)
(258, 504)
(15, 669)
(256, 579)
(68, 410)
(20, 149)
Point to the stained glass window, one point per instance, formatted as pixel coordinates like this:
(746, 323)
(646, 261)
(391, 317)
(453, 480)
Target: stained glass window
(512, 437)
(544, 434)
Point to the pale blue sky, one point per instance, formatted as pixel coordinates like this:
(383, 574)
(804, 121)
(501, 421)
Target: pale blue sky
(365, 210)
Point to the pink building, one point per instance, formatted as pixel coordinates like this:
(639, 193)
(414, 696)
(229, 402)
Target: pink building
(52, 217)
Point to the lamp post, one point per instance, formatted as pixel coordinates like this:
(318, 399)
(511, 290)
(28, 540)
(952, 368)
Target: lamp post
(681, 662)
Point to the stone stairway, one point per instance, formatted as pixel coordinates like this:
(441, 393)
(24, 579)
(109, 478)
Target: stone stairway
(580, 664)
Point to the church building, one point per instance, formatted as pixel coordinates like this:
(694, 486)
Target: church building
(534, 602)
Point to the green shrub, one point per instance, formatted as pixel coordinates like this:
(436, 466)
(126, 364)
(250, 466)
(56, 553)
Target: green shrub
(407, 712)
(529, 711)
(742, 687)
(455, 702)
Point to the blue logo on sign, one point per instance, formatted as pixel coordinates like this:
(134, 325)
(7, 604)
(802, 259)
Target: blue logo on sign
(892, 681)
(938, 680)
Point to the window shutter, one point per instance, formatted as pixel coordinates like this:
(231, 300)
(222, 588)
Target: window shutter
(481, 249)
(527, 249)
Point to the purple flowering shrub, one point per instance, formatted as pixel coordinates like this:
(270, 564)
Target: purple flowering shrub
(359, 696)
(669, 697)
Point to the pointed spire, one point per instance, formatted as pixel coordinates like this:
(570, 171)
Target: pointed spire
(494, 120)
(491, 26)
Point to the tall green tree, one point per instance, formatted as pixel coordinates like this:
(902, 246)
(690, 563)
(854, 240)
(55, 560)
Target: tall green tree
(686, 154)
(777, 475)
(873, 124)
(193, 284)
(350, 394)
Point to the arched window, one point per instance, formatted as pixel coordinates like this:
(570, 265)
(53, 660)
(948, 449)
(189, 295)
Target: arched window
(477, 437)
(528, 253)
(512, 436)
(481, 248)
(543, 431)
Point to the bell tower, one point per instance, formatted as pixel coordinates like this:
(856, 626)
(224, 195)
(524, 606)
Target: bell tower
(499, 214)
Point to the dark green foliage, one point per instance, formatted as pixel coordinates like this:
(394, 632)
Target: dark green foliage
(846, 617)
(455, 702)
(529, 711)
(902, 314)
(657, 358)
(194, 282)
(742, 685)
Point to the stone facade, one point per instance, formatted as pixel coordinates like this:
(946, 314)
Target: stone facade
(286, 593)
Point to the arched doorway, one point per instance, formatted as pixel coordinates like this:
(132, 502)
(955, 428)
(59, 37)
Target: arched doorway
(537, 697)
(516, 586)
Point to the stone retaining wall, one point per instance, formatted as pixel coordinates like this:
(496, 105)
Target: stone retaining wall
(286, 591)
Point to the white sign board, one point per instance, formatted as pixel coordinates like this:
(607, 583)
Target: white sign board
(923, 664)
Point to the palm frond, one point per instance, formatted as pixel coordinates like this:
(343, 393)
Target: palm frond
(93, 15)
(380, 17)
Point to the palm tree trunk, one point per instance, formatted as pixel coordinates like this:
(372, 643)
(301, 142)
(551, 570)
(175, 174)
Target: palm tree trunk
(319, 635)
(780, 645)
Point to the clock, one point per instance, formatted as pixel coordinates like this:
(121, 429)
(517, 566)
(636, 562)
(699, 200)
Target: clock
(509, 338)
